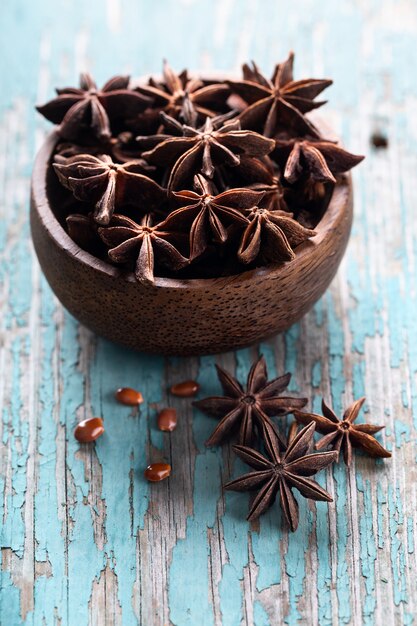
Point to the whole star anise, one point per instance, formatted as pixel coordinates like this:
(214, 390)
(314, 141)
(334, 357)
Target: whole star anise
(271, 236)
(247, 410)
(209, 213)
(320, 160)
(280, 470)
(143, 243)
(90, 108)
(108, 185)
(175, 90)
(343, 434)
(201, 149)
(279, 102)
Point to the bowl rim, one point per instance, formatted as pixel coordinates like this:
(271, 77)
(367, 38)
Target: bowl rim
(335, 212)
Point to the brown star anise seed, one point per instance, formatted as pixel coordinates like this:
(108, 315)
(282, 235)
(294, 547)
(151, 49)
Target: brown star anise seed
(108, 185)
(87, 107)
(343, 434)
(173, 93)
(142, 243)
(247, 410)
(204, 148)
(279, 102)
(271, 236)
(320, 160)
(279, 471)
(209, 214)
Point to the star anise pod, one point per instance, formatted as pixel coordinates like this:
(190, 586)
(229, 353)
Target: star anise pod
(261, 175)
(108, 185)
(279, 471)
(175, 90)
(320, 160)
(279, 102)
(209, 213)
(247, 410)
(89, 108)
(83, 231)
(143, 243)
(271, 236)
(343, 434)
(171, 127)
(201, 149)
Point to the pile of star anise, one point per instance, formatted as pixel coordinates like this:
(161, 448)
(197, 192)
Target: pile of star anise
(193, 178)
(282, 462)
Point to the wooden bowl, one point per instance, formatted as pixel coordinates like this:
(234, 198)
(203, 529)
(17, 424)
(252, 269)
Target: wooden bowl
(185, 317)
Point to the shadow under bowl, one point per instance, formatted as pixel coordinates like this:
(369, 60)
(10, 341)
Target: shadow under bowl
(185, 317)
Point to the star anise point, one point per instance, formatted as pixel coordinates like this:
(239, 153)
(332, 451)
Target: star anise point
(282, 468)
(344, 434)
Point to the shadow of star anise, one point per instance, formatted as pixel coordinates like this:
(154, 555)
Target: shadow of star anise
(279, 102)
(320, 160)
(170, 94)
(87, 107)
(247, 410)
(341, 435)
(280, 470)
(209, 214)
(108, 185)
(201, 149)
(142, 243)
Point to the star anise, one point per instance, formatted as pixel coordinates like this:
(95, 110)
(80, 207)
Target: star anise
(271, 236)
(320, 160)
(343, 434)
(279, 102)
(175, 90)
(279, 471)
(83, 231)
(248, 410)
(209, 213)
(201, 149)
(90, 108)
(260, 175)
(171, 127)
(143, 243)
(108, 185)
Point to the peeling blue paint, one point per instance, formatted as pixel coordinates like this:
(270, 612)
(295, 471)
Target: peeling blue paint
(369, 314)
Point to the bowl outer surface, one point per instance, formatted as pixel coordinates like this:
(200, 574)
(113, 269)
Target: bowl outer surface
(184, 317)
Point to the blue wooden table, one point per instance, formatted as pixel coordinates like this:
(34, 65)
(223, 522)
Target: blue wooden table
(84, 538)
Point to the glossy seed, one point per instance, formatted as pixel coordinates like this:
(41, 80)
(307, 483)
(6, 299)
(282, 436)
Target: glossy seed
(129, 396)
(167, 419)
(156, 472)
(89, 430)
(185, 389)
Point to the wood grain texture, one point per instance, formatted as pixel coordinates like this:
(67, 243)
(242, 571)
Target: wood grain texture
(84, 539)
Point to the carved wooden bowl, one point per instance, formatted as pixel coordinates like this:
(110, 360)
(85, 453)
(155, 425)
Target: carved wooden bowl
(185, 317)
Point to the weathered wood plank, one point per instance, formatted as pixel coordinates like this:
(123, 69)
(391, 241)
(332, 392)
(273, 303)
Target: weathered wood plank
(84, 539)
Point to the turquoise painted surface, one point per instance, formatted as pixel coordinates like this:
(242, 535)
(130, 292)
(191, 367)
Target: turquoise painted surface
(84, 539)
